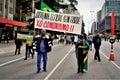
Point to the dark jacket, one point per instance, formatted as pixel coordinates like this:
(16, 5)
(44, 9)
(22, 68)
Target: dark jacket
(46, 40)
(84, 50)
(18, 42)
(97, 41)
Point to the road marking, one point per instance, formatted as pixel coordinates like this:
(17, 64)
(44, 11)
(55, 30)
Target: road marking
(111, 61)
(56, 45)
(46, 78)
(11, 61)
(117, 46)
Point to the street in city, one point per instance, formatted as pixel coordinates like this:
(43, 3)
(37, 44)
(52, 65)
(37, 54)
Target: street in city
(70, 26)
(61, 64)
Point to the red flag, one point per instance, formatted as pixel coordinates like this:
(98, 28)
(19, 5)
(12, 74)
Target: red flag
(112, 23)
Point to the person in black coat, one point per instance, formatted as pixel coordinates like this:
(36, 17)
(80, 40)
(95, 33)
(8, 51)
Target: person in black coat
(18, 43)
(42, 48)
(97, 44)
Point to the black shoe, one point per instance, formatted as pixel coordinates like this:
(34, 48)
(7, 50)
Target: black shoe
(95, 59)
(82, 71)
(38, 71)
(99, 60)
(78, 72)
(25, 59)
(44, 70)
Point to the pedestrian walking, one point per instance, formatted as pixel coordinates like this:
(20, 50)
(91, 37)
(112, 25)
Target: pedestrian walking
(97, 44)
(82, 47)
(28, 49)
(72, 39)
(90, 38)
(34, 46)
(43, 47)
(18, 43)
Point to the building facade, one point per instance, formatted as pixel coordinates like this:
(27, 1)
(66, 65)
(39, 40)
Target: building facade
(104, 24)
(94, 27)
(7, 11)
(7, 8)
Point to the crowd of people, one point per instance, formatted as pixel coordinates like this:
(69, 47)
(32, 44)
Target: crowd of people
(42, 45)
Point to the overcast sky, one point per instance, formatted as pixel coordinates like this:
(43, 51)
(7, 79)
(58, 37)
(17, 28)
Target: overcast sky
(88, 9)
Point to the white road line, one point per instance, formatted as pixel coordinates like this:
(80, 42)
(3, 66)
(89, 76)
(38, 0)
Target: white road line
(46, 78)
(11, 61)
(55, 46)
(111, 61)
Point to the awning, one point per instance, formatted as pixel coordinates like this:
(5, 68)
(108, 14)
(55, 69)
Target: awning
(13, 22)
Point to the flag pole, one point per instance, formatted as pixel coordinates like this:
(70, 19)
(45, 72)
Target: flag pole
(33, 12)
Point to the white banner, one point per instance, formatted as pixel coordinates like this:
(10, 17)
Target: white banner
(58, 22)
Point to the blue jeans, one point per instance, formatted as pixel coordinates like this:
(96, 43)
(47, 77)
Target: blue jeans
(39, 55)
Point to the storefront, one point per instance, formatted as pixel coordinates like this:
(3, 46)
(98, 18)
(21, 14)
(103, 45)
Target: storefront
(7, 28)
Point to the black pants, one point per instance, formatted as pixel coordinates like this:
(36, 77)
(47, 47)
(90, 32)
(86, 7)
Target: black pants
(17, 49)
(33, 51)
(81, 62)
(97, 55)
(28, 49)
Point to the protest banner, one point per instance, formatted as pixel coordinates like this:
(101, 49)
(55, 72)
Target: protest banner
(25, 36)
(58, 22)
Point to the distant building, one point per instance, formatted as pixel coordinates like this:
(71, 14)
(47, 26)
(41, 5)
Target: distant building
(99, 20)
(7, 8)
(104, 16)
(7, 23)
(94, 27)
(7, 11)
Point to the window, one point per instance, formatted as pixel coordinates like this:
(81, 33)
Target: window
(11, 10)
(0, 6)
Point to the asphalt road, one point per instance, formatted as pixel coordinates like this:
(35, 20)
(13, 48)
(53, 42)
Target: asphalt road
(61, 65)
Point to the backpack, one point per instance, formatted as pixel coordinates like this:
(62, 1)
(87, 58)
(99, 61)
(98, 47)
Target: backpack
(50, 44)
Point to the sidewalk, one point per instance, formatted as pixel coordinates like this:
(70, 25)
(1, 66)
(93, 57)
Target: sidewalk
(8, 47)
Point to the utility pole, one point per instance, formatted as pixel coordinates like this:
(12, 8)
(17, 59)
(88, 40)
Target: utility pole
(33, 13)
(33, 8)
